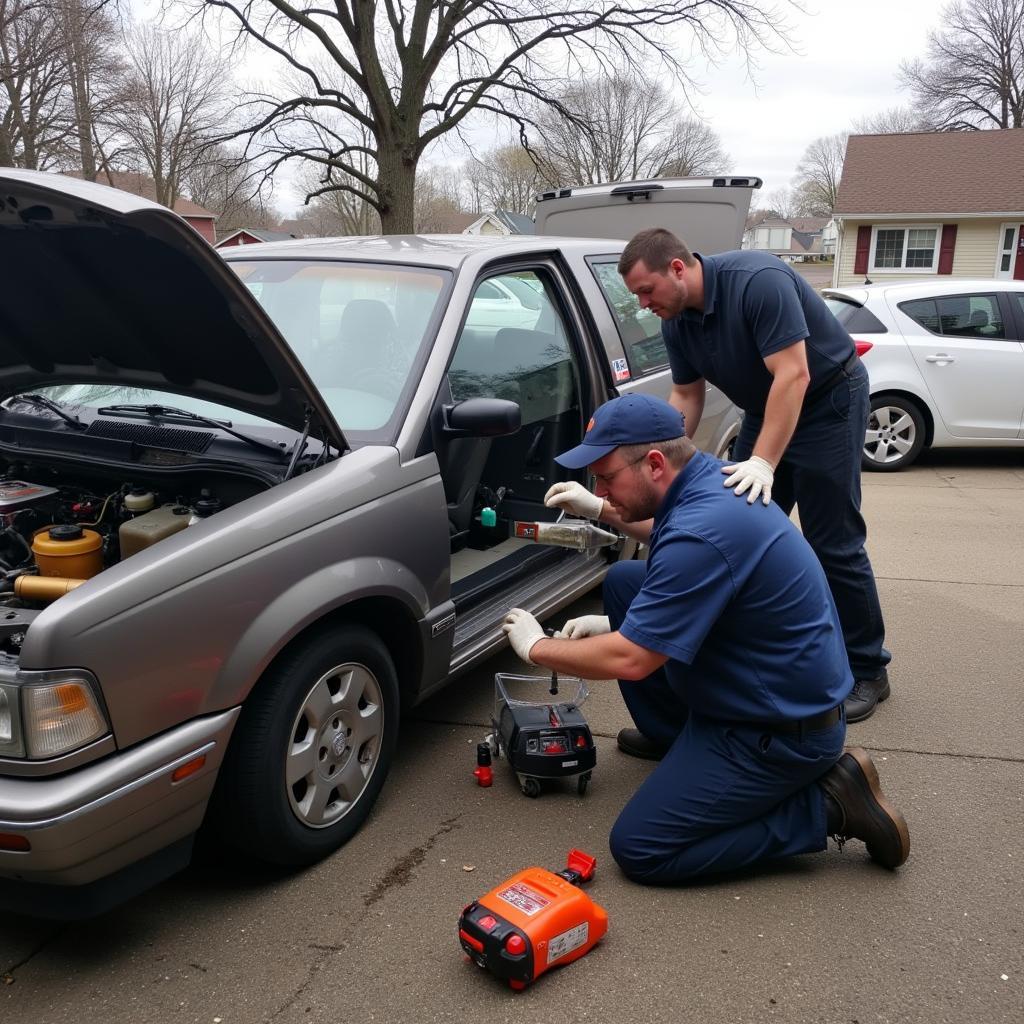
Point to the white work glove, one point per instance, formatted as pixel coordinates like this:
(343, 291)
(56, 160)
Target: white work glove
(756, 474)
(575, 498)
(585, 625)
(523, 632)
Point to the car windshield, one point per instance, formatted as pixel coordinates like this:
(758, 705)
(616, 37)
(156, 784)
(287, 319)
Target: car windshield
(357, 328)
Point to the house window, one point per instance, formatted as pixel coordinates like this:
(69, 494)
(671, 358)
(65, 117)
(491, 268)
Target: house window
(908, 249)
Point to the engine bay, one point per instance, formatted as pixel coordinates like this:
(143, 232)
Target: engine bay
(58, 530)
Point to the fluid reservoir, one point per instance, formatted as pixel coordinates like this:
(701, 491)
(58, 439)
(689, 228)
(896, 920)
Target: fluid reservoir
(145, 530)
(139, 500)
(69, 551)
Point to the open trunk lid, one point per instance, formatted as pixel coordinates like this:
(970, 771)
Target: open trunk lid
(709, 214)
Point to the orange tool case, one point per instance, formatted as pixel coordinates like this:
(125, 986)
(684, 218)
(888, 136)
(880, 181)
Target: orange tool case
(533, 921)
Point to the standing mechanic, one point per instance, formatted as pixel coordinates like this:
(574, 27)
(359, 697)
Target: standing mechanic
(730, 659)
(746, 322)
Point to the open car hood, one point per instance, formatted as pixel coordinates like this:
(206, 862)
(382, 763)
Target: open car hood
(101, 286)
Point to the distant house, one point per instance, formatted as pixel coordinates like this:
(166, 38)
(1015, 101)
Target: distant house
(931, 203)
(142, 185)
(253, 236)
(501, 222)
(800, 238)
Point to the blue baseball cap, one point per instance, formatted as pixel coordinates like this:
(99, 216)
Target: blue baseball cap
(629, 419)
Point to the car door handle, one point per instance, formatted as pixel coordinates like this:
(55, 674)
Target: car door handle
(940, 358)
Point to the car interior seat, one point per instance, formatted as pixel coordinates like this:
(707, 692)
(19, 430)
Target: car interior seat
(364, 349)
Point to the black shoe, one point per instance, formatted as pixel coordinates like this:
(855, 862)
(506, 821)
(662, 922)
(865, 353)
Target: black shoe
(636, 744)
(865, 696)
(857, 809)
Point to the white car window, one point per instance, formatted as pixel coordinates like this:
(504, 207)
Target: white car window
(958, 316)
(639, 329)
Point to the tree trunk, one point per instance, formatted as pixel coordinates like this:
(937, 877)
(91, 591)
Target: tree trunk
(397, 177)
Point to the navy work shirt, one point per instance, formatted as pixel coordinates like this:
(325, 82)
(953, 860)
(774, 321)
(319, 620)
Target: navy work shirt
(754, 305)
(737, 600)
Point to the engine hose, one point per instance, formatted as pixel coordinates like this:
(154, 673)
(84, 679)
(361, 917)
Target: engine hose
(10, 531)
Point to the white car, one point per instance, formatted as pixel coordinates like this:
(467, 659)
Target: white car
(945, 361)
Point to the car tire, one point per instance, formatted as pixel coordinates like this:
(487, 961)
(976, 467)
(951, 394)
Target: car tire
(895, 434)
(311, 750)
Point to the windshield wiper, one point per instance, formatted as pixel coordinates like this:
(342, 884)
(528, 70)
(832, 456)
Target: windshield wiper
(168, 412)
(42, 402)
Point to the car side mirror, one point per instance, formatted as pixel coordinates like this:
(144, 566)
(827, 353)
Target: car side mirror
(481, 417)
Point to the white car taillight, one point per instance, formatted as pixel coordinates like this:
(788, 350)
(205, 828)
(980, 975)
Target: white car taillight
(61, 717)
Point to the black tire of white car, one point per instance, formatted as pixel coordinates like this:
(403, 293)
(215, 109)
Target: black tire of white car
(311, 750)
(894, 423)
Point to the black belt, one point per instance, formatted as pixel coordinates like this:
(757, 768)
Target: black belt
(832, 379)
(815, 723)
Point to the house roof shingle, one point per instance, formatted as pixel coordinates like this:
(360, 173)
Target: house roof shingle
(933, 173)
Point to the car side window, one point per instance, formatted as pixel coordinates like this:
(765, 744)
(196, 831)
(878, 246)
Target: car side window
(958, 316)
(639, 329)
(518, 349)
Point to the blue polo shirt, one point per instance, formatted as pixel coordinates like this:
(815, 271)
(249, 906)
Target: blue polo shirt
(754, 305)
(737, 600)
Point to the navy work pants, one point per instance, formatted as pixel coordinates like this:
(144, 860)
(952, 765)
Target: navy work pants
(726, 795)
(820, 474)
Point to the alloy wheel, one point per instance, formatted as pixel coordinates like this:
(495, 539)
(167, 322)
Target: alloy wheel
(335, 744)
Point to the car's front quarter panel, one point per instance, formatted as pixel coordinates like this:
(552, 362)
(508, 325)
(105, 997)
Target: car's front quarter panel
(186, 627)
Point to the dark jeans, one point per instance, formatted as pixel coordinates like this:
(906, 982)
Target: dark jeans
(727, 794)
(820, 474)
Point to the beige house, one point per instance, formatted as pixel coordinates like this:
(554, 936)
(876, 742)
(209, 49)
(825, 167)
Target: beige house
(920, 205)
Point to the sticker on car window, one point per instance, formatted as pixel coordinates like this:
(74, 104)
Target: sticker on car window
(620, 369)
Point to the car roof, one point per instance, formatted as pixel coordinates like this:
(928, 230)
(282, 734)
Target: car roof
(862, 294)
(449, 251)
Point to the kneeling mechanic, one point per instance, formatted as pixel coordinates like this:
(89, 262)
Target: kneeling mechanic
(730, 658)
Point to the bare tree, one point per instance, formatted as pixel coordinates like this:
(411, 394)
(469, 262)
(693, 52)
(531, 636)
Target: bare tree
(438, 207)
(503, 178)
(621, 126)
(33, 85)
(820, 169)
(174, 105)
(412, 71)
(973, 73)
(228, 184)
(778, 203)
(893, 121)
(89, 37)
(694, 148)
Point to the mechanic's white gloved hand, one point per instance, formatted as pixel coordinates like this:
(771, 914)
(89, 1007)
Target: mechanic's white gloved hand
(523, 632)
(575, 498)
(756, 474)
(585, 625)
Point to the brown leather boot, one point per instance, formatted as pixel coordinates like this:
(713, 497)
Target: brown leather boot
(857, 809)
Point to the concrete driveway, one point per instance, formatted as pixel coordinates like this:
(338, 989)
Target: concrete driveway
(370, 934)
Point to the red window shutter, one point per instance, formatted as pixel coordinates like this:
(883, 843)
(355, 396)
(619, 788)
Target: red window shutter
(946, 248)
(860, 263)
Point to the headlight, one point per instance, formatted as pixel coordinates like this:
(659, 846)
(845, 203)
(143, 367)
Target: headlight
(43, 720)
(10, 723)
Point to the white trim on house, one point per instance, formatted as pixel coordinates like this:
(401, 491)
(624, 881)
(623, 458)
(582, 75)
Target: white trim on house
(906, 228)
(1015, 226)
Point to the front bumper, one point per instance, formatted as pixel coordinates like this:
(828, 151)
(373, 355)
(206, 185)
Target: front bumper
(100, 819)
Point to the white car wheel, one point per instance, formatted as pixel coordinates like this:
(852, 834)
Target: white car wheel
(895, 433)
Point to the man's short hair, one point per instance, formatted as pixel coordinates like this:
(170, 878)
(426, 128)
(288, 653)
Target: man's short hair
(677, 450)
(657, 248)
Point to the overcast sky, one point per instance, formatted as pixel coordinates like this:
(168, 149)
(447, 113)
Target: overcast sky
(849, 54)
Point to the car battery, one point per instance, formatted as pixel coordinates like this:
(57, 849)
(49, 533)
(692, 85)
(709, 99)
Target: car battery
(534, 921)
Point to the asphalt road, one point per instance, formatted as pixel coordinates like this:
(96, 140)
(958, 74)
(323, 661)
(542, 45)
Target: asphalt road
(370, 934)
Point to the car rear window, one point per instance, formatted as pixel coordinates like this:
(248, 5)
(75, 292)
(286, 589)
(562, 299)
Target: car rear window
(957, 316)
(854, 317)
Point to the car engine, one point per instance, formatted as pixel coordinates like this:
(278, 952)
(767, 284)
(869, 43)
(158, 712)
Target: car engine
(56, 534)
